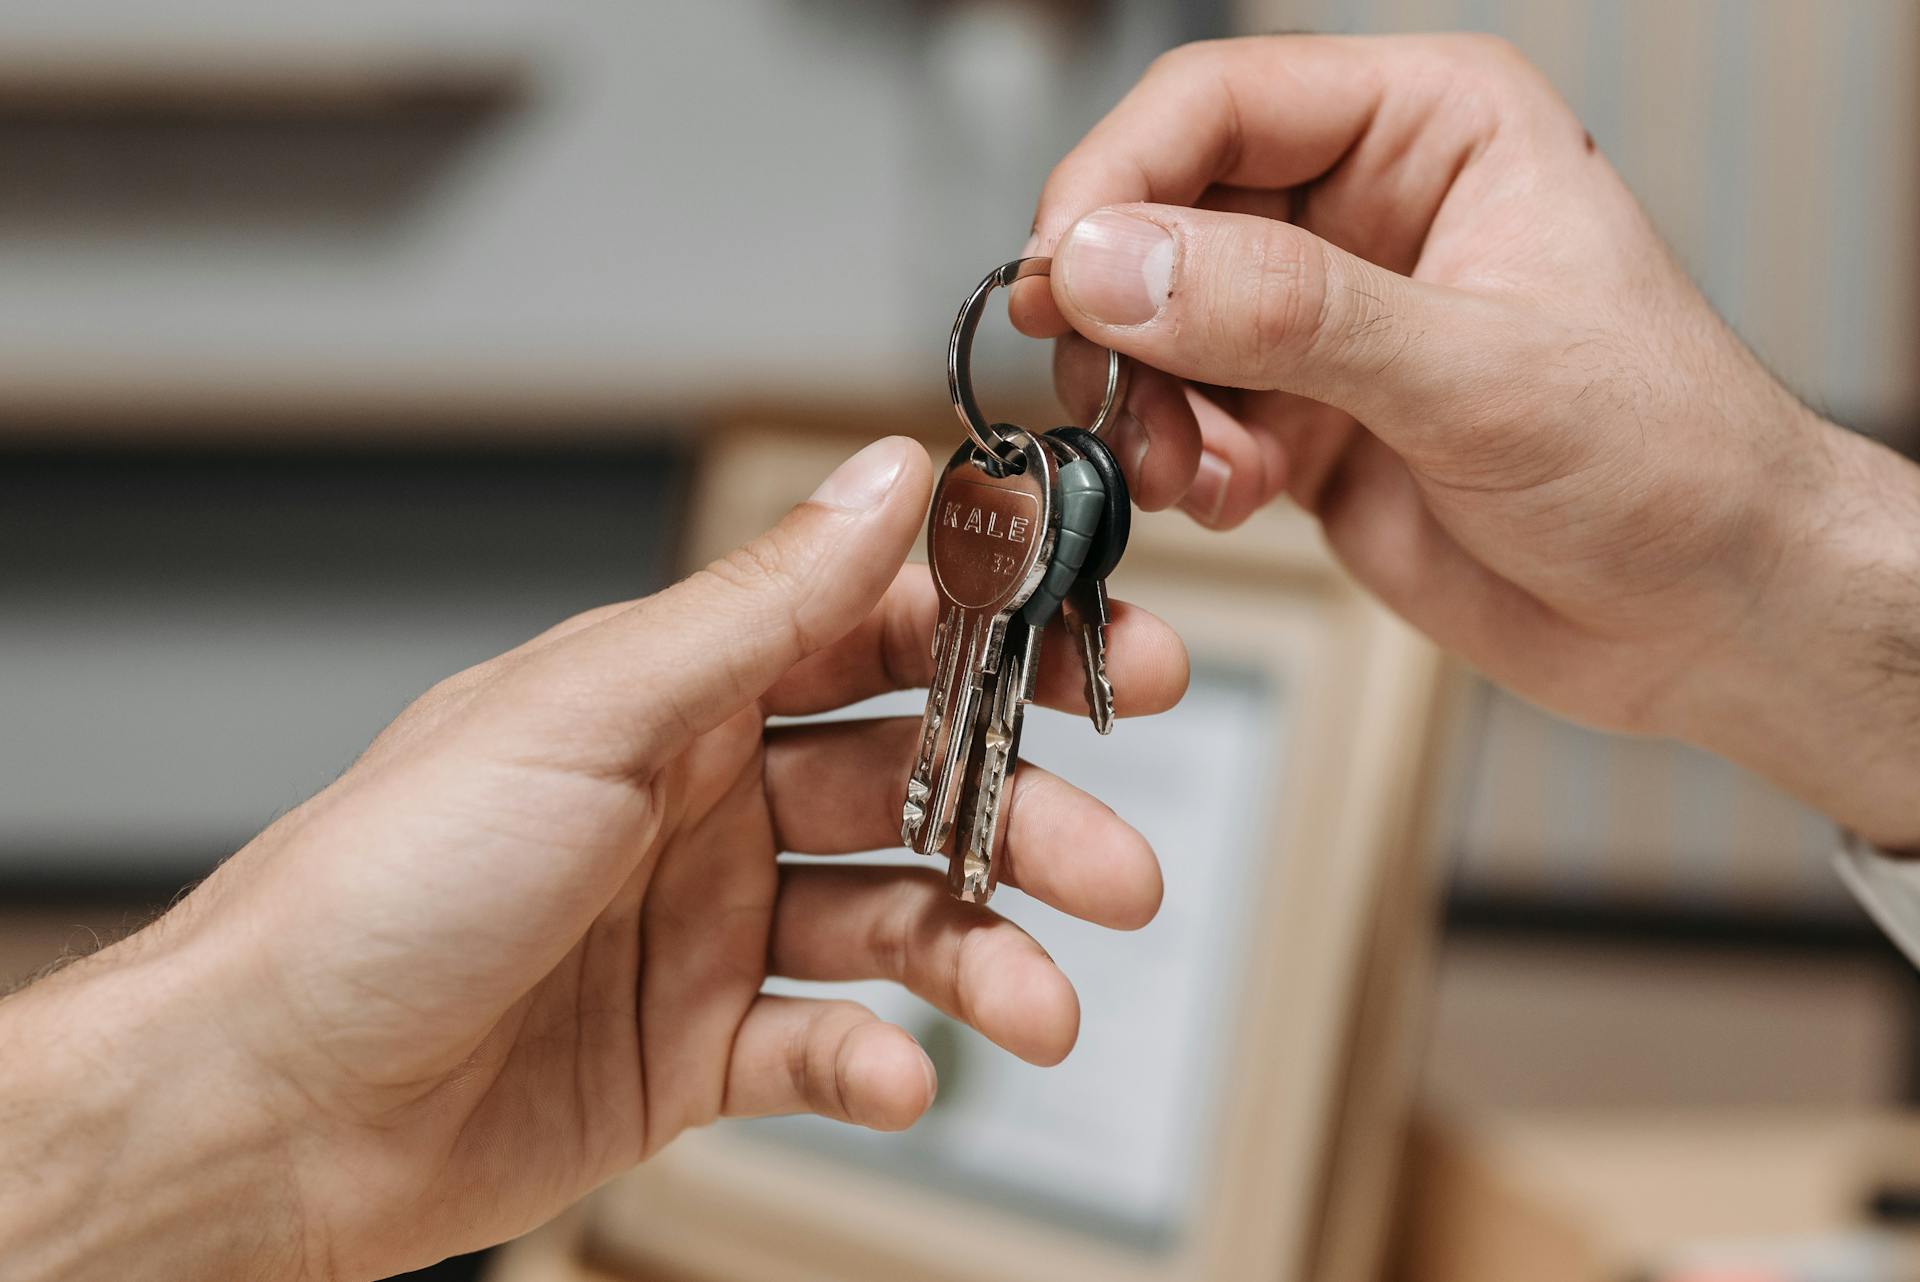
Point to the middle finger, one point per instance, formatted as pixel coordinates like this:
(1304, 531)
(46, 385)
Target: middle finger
(837, 787)
(839, 924)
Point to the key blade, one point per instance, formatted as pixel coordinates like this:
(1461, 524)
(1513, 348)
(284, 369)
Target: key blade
(913, 815)
(1086, 613)
(946, 747)
(974, 868)
(1099, 689)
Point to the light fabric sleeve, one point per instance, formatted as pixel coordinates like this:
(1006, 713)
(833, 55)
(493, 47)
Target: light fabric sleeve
(1887, 887)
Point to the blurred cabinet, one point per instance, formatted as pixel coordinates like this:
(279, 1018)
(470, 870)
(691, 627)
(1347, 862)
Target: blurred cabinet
(645, 210)
(1547, 1020)
(194, 641)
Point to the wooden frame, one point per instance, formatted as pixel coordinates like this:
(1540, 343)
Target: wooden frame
(1297, 1168)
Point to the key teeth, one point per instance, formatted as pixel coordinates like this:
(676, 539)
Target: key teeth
(913, 816)
(1098, 691)
(1100, 702)
(971, 881)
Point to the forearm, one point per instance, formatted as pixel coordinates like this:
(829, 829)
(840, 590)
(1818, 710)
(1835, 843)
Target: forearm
(129, 1146)
(1820, 690)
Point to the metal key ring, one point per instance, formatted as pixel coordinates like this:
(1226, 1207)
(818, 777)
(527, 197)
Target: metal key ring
(960, 359)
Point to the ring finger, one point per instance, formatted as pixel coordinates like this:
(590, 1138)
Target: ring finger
(900, 924)
(837, 787)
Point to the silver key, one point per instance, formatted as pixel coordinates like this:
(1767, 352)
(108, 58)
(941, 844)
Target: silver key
(989, 541)
(975, 867)
(1086, 614)
(974, 870)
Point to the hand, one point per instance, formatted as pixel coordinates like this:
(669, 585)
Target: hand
(520, 945)
(1393, 280)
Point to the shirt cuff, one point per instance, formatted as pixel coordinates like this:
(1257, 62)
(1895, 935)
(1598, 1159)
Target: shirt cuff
(1888, 888)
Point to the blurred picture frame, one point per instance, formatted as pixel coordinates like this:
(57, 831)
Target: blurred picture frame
(1288, 1126)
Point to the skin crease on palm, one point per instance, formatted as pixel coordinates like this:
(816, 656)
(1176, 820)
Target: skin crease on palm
(1405, 290)
(520, 945)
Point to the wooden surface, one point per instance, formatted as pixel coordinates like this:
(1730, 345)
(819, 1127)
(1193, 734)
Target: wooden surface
(1605, 1197)
(1390, 1030)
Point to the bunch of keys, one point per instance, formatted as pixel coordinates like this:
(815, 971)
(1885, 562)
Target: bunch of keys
(1022, 526)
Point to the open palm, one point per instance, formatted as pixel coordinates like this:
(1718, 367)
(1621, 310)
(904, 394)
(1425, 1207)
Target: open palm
(521, 944)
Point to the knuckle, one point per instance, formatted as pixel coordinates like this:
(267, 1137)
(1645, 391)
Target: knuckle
(1498, 50)
(437, 702)
(761, 588)
(755, 567)
(428, 706)
(891, 943)
(1183, 60)
(1285, 285)
(459, 685)
(1491, 74)
(1482, 51)
(969, 957)
(1466, 86)
(818, 1059)
(583, 620)
(838, 1019)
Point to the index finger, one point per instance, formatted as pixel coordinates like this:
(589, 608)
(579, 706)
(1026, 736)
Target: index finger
(1270, 111)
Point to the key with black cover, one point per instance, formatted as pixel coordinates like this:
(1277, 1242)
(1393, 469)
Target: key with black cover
(1085, 608)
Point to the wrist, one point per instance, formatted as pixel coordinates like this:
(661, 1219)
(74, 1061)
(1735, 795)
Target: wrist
(1818, 685)
(133, 1142)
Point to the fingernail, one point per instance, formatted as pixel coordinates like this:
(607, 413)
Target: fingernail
(933, 1077)
(863, 480)
(1116, 268)
(1273, 457)
(1131, 442)
(1208, 493)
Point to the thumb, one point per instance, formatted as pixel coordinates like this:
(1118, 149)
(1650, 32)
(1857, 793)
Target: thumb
(630, 692)
(1243, 301)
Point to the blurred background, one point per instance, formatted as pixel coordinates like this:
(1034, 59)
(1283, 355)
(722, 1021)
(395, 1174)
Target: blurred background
(342, 346)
